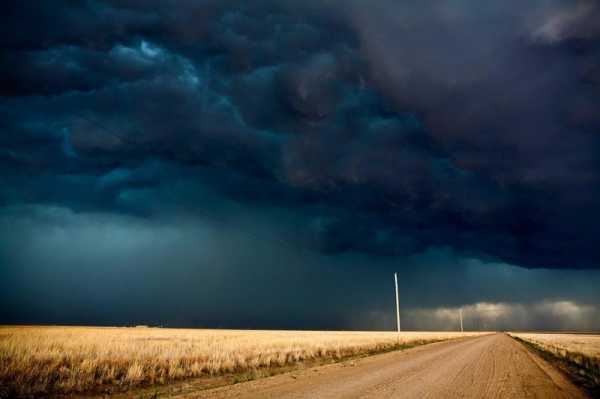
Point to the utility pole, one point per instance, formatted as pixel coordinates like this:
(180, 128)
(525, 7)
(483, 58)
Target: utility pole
(397, 305)
(460, 313)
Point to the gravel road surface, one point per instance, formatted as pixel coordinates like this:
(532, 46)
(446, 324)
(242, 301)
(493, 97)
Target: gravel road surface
(491, 366)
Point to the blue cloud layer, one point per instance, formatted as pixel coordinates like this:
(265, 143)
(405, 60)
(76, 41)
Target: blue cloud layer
(392, 126)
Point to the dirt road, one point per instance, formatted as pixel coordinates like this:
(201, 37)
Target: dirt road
(492, 366)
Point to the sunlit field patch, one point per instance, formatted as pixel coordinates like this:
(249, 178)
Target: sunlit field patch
(42, 360)
(582, 350)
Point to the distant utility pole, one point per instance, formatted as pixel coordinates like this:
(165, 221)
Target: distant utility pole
(397, 305)
(460, 313)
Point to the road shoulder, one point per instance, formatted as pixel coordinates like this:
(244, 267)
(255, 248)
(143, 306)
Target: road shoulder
(262, 378)
(560, 371)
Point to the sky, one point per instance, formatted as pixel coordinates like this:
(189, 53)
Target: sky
(272, 163)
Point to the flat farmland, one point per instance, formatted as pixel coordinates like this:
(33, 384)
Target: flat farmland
(580, 350)
(52, 360)
(561, 344)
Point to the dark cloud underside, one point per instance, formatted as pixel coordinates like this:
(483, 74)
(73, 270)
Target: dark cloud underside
(360, 134)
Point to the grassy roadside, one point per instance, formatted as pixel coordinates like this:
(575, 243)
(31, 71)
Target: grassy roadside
(194, 384)
(583, 372)
(209, 382)
(38, 361)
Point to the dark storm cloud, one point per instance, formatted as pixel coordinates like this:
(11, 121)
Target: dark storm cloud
(392, 127)
(245, 266)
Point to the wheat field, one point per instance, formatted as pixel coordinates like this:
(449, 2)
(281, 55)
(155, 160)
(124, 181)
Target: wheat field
(44, 360)
(581, 349)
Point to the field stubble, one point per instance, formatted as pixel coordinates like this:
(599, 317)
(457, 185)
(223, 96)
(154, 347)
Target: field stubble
(48, 360)
(580, 352)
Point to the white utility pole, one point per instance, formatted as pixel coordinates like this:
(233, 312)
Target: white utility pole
(460, 313)
(397, 305)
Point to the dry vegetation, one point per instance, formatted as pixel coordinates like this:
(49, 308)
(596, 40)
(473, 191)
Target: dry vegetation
(43, 360)
(582, 350)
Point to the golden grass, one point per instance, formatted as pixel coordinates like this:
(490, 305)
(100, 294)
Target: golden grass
(581, 349)
(43, 360)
